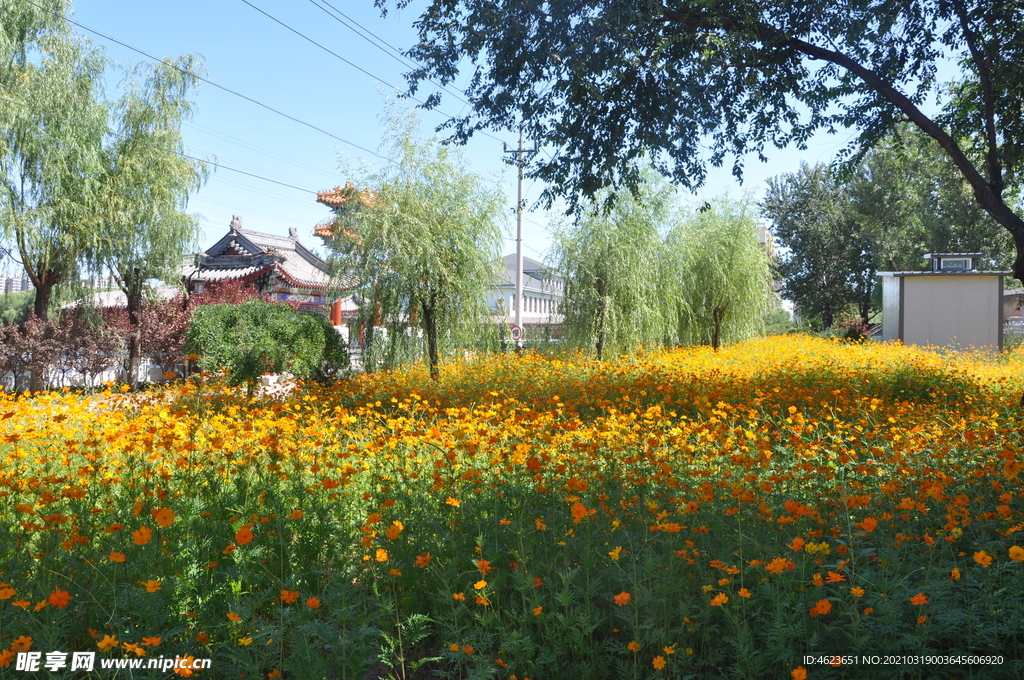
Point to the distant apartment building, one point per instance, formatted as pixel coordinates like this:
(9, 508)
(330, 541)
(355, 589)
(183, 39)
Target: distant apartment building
(16, 284)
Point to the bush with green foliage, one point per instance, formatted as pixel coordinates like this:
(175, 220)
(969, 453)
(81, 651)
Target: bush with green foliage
(259, 337)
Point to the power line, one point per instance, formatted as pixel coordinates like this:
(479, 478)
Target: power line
(394, 52)
(159, 148)
(210, 82)
(358, 68)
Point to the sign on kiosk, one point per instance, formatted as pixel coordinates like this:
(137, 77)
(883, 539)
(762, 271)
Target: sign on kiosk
(517, 332)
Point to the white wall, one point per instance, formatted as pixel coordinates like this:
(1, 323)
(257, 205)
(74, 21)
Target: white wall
(964, 311)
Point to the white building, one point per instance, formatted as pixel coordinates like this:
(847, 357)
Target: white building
(952, 305)
(543, 291)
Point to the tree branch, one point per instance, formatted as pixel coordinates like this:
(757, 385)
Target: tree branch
(995, 170)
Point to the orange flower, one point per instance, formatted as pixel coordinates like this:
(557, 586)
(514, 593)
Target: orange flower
(658, 662)
(313, 603)
(6, 656)
(151, 641)
(743, 592)
(623, 598)
(797, 544)
(423, 560)
(289, 596)
(59, 598)
(7, 593)
(458, 596)
(868, 610)
(394, 572)
(821, 607)
(22, 643)
(296, 514)
(779, 565)
(799, 673)
(484, 566)
(539, 524)
(134, 649)
(983, 558)
(537, 611)
(616, 553)
(394, 530)
(920, 598)
(954, 575)
(202, 638)
(1017, 553)
(164, 517)
(381, 555)
(454, 502)
(107, 643)
(116, 557)
(151, 585)
(232, 616)
(834, 577)
(818, 581)
(868, 524)
(922, 619)
(537, 581)
(467, 649)
(481, 600)
(142, 535)
(857, 591)
(579, 511)
(480, 585)
(633, 646)
(719, 600)
(244, 535)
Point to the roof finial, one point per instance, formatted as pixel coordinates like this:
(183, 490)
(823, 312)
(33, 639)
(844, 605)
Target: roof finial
(236, 222)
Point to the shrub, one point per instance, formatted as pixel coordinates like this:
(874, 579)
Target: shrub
(258, 337)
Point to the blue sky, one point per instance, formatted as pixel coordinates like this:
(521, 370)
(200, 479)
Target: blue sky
(248, 52)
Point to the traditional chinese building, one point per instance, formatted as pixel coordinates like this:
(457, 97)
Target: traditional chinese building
(279, 265)
(343, 202)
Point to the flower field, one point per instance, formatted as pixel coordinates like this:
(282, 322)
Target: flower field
(758, 512)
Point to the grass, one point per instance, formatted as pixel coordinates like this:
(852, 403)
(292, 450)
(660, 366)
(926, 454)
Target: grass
(738, 514)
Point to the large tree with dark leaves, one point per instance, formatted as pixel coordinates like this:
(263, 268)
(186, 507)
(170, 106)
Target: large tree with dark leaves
(691, 82)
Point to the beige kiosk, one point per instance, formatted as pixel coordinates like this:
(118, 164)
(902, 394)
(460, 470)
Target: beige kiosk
(952, 305)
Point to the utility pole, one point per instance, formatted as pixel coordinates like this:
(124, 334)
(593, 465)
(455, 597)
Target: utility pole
(520, 162)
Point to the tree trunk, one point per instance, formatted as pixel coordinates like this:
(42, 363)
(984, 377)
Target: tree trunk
(718, 313)
(430, 328)
(41, 309)
(601, 309)
(134, 292)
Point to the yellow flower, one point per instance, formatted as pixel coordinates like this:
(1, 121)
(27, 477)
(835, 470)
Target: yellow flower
(480, 585)
(245, 642)
(454, 502)
(614, 554)
(381, 555)
(1017, 553)
(107, 643)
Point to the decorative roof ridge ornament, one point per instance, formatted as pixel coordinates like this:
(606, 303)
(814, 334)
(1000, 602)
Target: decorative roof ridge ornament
(236, 222)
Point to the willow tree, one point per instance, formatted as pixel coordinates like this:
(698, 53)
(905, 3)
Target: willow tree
(52, 121)
(611, 258)
(722, 274)
(145, 187)
(424, 251)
